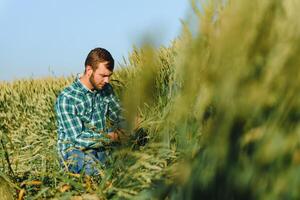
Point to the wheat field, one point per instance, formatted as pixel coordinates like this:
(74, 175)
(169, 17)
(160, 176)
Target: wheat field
(219, 110)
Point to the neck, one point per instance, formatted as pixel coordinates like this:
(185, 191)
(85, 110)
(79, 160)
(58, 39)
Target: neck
(86, 81)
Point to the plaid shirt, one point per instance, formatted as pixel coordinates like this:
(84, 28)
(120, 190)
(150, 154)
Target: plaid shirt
(84, 116)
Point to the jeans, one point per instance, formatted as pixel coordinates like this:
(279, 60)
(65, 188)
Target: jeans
(87, 162)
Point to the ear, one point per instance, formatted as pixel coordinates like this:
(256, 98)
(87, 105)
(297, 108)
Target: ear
(88, 70)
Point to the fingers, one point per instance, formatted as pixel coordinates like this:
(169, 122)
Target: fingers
(113, 136)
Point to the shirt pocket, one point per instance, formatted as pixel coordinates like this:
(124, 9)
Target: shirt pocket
(84, 112)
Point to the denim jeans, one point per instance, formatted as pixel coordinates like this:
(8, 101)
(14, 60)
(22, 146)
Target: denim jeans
(87, 162)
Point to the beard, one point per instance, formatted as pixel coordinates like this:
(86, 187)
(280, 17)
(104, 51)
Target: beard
(93, 83)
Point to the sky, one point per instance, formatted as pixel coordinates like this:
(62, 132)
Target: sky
(53, 37)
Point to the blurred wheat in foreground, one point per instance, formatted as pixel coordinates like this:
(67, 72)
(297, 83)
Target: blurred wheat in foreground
(217, 111)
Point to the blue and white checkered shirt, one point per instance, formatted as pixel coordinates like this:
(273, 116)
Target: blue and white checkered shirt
(84, 117)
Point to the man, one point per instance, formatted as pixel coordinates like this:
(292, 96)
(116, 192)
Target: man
(88, 116)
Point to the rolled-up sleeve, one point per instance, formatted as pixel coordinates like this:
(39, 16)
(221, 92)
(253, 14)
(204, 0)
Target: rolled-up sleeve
(115, 113)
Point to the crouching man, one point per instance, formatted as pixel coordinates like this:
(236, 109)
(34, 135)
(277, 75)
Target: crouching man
(88, 116)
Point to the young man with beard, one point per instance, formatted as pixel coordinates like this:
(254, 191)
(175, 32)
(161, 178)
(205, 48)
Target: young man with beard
(88, 116)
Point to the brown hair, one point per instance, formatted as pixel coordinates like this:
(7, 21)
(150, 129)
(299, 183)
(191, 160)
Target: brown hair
(99, 55)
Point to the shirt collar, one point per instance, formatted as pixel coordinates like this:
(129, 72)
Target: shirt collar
(81, 86)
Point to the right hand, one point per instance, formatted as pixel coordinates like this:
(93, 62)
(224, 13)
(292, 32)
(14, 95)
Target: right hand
(113, 136)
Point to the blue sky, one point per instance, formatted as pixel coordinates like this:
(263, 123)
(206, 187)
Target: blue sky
(40, 38)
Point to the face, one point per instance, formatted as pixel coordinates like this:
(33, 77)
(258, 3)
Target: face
(100, 76)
